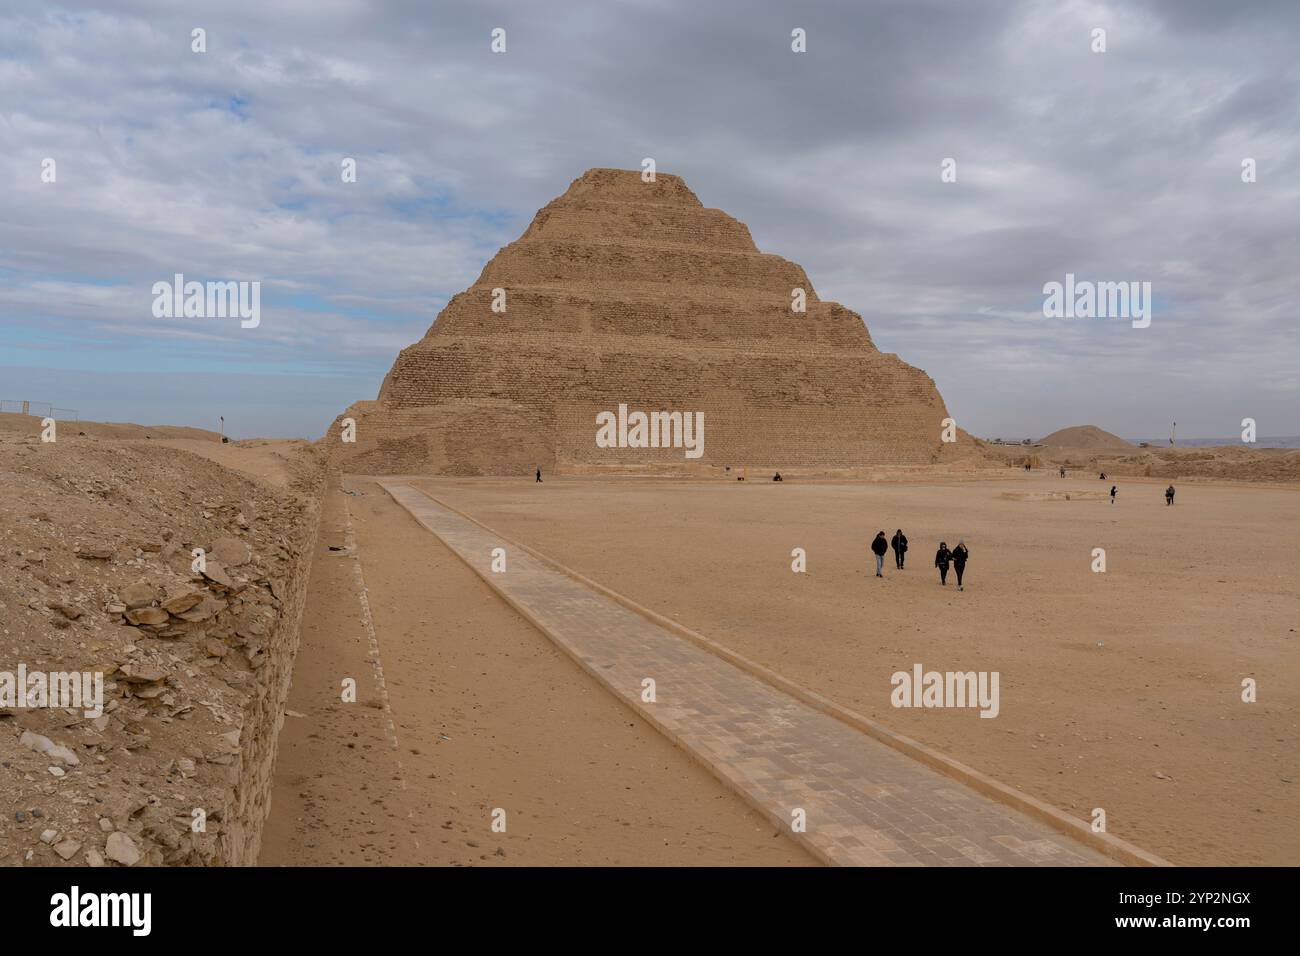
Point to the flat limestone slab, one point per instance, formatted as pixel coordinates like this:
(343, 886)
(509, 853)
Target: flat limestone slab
(865, 804)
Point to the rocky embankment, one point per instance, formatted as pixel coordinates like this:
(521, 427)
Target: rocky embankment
(178, 585)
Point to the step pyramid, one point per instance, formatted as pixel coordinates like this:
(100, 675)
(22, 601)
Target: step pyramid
(626, 292)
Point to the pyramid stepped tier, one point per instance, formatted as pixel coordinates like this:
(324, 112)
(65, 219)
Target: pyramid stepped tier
(689, 316)
(615, 266)
(676, 376)
(455, 438)
(629, 293)
(605, 220)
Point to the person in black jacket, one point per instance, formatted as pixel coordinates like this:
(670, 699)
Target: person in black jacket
(941, 559)
(1169, 495)
(899, 543)
(1113, 489)
(959, 556)
(878, 547)
(539, 476)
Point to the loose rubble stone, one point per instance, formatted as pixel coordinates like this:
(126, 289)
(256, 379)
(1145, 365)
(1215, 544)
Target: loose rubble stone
(142, 674)
(44, 745)
(214, 572)
(122, 849)
(208, 608)
(231, 552)
(180, 603)
(138, 595)
(147, 616)
(94, 554)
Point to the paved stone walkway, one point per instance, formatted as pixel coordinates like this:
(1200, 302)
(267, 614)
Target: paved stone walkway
(865, 803)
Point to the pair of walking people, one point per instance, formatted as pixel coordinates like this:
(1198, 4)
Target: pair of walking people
(943, 558)
(956, 557)
(879, 547)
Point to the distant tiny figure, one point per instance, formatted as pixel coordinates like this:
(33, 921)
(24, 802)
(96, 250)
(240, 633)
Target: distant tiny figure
(959, 556)
(1062, 471)
(878, 547)
(1169, 495)
(941, 559)
(1113, 490)
(1026, 466)
(899, 543)
(1102, 476)
(539, 476)
(777, 477)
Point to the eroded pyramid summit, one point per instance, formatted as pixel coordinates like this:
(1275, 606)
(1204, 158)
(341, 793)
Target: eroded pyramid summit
(632, 293)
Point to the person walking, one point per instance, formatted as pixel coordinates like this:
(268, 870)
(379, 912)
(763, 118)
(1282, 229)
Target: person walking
(1062, 471)
(1113, 490)
(941, 559)
(878, 547)
(1169, 495)
(539, 476)
(959, 556)
(899, 543)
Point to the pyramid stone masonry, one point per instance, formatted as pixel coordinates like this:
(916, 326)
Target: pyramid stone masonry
(630, 292)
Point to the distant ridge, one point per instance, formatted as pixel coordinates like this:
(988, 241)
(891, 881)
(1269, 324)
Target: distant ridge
(120, 431)
(1086, 436)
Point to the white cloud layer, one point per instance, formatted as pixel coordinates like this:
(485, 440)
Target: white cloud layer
(225, 165)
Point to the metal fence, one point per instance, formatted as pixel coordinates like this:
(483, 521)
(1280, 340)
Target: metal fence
(39, 409)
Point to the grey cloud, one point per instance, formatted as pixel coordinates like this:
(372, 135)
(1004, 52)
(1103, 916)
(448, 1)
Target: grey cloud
(1123, 165)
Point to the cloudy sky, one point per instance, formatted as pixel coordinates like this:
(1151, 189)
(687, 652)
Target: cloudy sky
(1117, 166)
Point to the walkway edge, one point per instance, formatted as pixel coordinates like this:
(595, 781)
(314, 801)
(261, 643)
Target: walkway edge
(1110, 846)
(646, 714)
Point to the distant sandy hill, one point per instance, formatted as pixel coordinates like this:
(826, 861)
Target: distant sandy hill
(1088, 447)
(31, 425)
(1089, 437)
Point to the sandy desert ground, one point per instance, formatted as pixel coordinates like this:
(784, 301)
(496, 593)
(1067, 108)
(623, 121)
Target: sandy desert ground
(484, 709)
(486, 713)
(1120, 690)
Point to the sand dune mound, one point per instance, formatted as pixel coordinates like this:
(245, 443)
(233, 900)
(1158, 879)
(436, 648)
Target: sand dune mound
(1088, 437)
